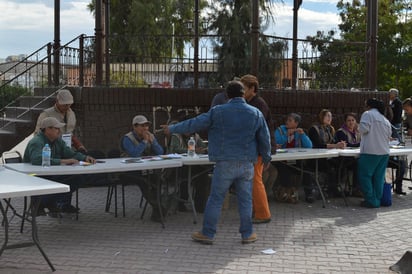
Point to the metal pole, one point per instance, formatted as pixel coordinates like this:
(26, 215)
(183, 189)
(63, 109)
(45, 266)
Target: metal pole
(255, 38)
(368, 46)
(106, 38)
(173, 40)
(49, 64)
(56, 45)
(196, 49)
(373, 44)
(99, 36)
(296, 4)
(81, 61)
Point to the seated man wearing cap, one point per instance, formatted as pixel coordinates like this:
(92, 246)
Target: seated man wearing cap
(140, 141)
(61, 154)
(63, 113)
(137, 143)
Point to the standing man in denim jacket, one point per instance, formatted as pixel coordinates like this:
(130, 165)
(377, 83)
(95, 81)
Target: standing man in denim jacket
(237, 135)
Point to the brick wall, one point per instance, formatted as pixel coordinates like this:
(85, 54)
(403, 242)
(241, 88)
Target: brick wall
(105, 114)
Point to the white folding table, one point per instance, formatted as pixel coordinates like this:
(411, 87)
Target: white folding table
(14, 184)
(394, 151)
(200, 159)
(282, 155)
(355, 152)
(103, 166)
(106, 166)
(292, 154)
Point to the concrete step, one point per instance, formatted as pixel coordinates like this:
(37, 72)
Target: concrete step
(23, 112)
(6, 132)
(11, 124)
(30, 101)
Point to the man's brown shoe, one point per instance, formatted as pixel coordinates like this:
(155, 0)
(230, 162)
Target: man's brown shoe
(199, 237)
(251, 239)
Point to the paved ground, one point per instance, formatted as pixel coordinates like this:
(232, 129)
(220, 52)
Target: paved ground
(306, 238)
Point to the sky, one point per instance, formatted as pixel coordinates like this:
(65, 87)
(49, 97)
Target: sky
(26, 26)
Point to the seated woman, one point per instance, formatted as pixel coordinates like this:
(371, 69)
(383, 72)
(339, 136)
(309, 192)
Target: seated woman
(322, 136)
(289, 135)
(322, 133)
(350, 134)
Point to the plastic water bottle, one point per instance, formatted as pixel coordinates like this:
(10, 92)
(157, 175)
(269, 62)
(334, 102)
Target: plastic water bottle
(191, 145)
(45, 156)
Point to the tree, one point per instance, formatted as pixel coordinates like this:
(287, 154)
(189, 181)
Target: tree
(142, 30)
(11, 93)
(341, 64)
(394, 45)
(231, 21)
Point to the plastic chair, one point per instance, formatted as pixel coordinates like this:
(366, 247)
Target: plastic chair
(99, 180)
(112, 189)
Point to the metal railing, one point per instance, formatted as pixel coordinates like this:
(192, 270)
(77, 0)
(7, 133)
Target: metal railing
(219, 63)
(37, 71)
(20, 115)
(168, 61)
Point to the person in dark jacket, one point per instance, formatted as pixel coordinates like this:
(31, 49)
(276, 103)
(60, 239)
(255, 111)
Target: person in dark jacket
(349, 133)
(396, 106)
(260, 202)
(322, 136)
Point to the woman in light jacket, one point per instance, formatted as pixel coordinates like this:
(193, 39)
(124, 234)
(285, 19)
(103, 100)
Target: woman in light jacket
(374, 152)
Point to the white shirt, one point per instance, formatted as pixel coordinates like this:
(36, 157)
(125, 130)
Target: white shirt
(376, 132)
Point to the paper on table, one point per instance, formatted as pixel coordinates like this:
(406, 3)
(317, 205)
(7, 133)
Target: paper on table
(156, 158)
(394, 142)
(171, 156)
(269, 251)
(132, 160)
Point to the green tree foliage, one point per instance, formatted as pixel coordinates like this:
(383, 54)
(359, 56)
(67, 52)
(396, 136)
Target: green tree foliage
(9, 93)
(231, 21)
(141, 30)
(340, 65)
(338, 56)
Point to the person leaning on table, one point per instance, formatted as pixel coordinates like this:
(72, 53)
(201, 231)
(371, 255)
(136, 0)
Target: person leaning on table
(141, 142)
(61, 154)
(376, 131)
(237, 134)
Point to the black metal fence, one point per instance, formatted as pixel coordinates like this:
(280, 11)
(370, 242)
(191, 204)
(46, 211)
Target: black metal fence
(169, 61)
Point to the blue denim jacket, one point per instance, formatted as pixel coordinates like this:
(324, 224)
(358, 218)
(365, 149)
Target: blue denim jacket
(237, 131)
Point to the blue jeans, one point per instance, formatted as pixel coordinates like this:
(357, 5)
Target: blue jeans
(240, 173)
(63, 199)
